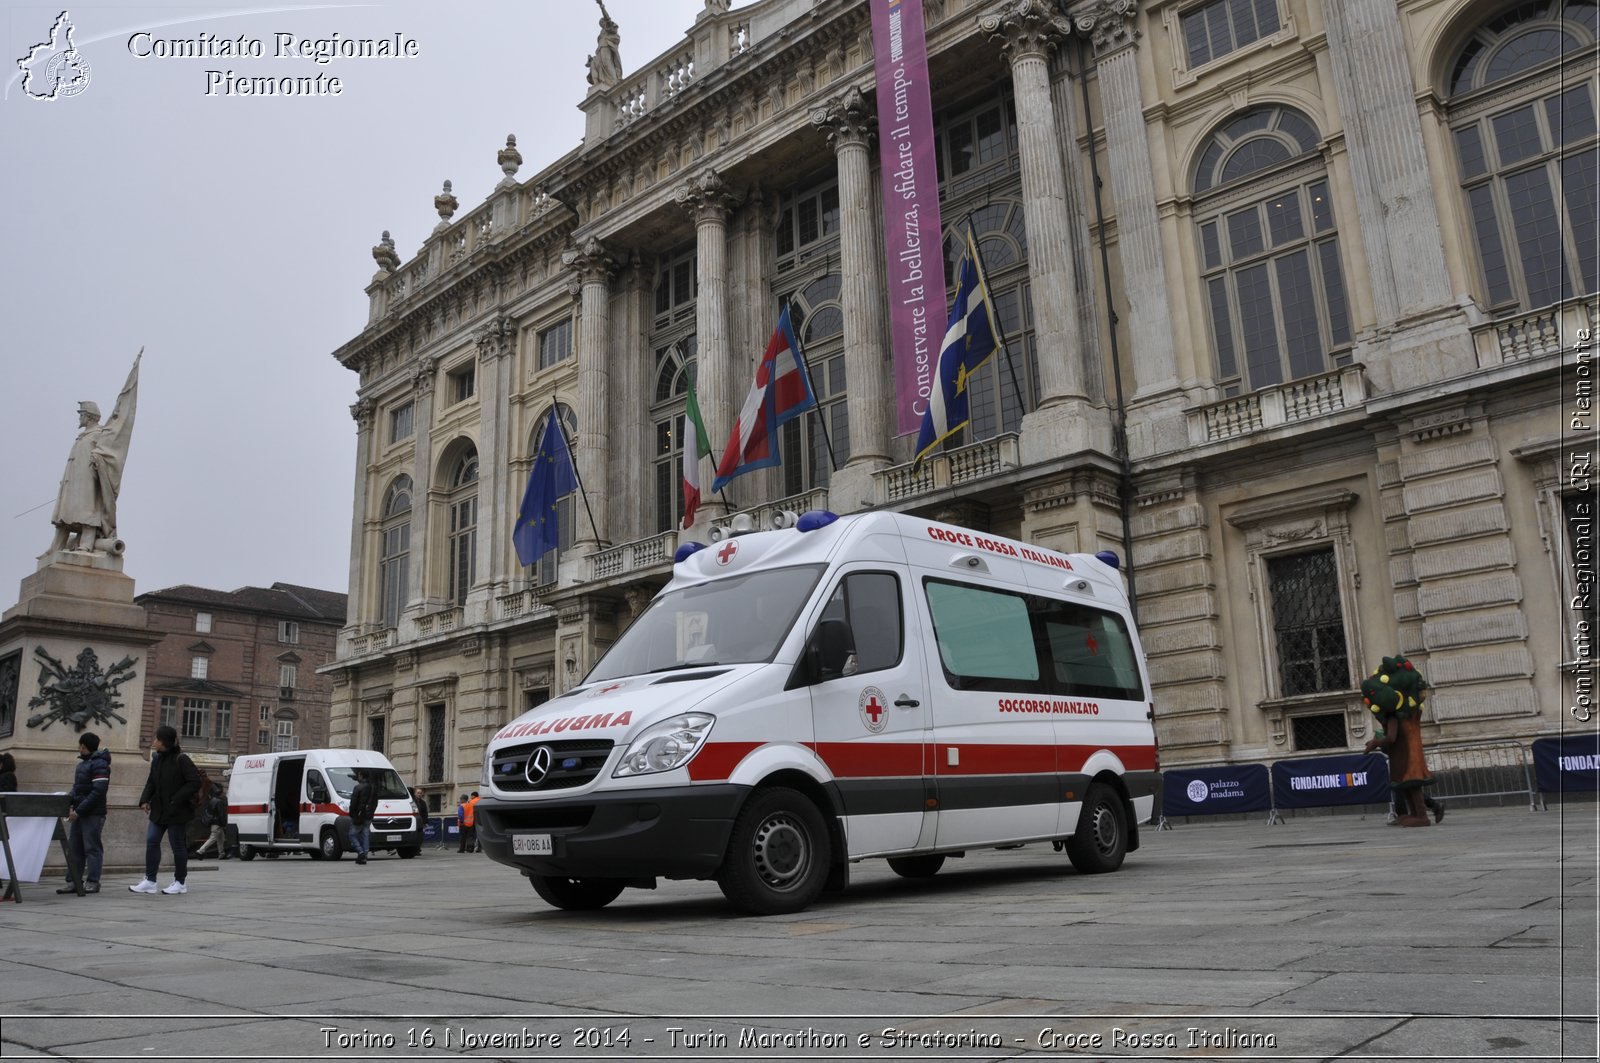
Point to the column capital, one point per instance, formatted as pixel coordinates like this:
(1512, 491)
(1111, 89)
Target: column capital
(706, 197)
(362, 412)
(591, 262)
(1026, 27)
(422, 379)
(846, 119)
(494, 339)
(1109, 25)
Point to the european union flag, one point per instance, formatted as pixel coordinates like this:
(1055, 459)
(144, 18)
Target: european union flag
(537, 532)
(969, 341)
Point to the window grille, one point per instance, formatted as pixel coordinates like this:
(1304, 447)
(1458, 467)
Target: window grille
(377, 725)
(1322, 731)
(1308, 623)
(436, 743)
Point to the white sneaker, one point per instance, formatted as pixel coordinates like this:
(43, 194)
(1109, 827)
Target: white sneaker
(144, 886)
(176, 887)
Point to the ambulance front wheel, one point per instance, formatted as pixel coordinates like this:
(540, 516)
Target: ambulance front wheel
(916, 866)
(1101, 840)
(330, 846)
(247, 852)
(576, 894)
(778, 857)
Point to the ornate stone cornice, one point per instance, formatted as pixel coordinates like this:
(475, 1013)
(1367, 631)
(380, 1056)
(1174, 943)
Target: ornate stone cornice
(362, 412)
(706, 197)
(422, 379)
(1026, 27)
(590, 263)
(846, 119)
(1109, 25)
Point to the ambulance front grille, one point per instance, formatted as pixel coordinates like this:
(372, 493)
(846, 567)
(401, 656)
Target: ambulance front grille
(572, 763)
(392, 823)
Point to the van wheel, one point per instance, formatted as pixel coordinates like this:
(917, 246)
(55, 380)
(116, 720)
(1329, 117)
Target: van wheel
(409, 851)
(916, 866)
(330, 846)
(778, 857)
(1101, 840)
(247, 852)
(575, 894)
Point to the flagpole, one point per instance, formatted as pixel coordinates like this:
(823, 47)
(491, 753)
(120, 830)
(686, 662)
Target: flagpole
(994, 321)
(572, 456)
(811, 385)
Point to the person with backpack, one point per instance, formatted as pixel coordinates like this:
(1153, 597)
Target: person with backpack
(363, 806)
(168, 798)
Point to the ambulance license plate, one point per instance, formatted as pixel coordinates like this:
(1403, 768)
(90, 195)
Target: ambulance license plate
(394, 837)
(532, 845)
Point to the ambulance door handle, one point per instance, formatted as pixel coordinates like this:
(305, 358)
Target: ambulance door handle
(905, 701)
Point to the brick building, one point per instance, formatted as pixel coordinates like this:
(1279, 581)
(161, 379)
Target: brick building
(237, 670)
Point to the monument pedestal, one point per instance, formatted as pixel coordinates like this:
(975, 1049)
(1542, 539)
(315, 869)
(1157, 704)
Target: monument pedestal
(73, 655)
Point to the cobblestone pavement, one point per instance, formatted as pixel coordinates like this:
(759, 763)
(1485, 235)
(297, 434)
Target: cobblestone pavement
(1326, 937)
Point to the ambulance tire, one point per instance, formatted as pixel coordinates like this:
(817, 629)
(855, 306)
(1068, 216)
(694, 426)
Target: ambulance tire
(330, 847)
(408, 851)
(916, 866)
(1101, 841)
(778, 857)
(577, 894)
(247, 852)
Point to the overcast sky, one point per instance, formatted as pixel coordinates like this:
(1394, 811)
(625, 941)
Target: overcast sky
(231, 237)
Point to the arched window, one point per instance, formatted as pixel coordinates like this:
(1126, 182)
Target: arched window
(818, 320)
(394, 560)
(1269, 252)
(1522, 113)
(675, 367)
(995, 405)
(462, 505)
(566, 512)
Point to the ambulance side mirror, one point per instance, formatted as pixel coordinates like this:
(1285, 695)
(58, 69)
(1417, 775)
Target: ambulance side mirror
(832, 646)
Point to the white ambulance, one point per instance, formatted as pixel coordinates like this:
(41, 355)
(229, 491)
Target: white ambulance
(299, 801)
(837, 689)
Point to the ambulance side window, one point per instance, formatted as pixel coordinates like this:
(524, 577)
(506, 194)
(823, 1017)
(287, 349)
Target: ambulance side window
(316, 789)
(1092, 653)
(870, 601)
(986, 637)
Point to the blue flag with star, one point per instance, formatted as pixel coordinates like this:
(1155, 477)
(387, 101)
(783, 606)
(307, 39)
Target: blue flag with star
(551, 479)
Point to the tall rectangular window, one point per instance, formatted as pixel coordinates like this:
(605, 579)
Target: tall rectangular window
(1308, 623)
(436, 763)
(463, 384)
(264, 739)
(463, 548)
(288, 678)
(199, 667)
(194, 718)
(376, 729)
(223, 719)
(286, 738)
(555, 344)
(266, 714)
(289, 631)
(169, 712)
(401, 422)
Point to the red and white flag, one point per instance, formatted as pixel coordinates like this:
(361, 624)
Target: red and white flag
(781, 392)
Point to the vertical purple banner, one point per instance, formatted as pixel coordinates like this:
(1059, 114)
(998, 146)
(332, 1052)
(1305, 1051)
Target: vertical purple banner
(912, 235)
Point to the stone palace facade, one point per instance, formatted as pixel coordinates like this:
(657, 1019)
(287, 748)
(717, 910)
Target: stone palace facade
(1290, 292)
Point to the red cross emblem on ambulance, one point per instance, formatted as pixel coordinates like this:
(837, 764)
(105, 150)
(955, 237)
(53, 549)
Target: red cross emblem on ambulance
(874, 710)
(726, 551)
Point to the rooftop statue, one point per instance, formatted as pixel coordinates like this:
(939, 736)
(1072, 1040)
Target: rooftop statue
(605, 65)
(86, 507)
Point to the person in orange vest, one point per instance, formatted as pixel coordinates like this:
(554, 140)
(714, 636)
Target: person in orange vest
(469, 829)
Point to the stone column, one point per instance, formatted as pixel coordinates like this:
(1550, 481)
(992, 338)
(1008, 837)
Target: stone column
(1110, 26)
(593, 265)
(421, 482)
(635, 382)
(361, 603)
(717, 383)
(1027, 32)
(495, 342)
(1393, 186)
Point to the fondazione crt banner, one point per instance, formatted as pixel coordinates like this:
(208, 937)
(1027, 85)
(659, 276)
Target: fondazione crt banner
(911, 229)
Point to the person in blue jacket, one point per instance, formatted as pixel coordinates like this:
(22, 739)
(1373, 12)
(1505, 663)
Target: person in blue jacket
(86, 819)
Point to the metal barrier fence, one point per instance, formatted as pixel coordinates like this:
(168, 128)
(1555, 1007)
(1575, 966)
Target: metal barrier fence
(441, 831)
(1473, 770)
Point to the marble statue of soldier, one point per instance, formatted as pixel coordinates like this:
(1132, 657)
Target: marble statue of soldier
(86, 506)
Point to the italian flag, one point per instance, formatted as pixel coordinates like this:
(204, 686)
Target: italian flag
(695, 446)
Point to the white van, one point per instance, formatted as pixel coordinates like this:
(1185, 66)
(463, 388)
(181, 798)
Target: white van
(796, 700)
(299, 801)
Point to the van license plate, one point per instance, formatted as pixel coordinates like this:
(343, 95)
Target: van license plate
(394, 837)
(532, 845)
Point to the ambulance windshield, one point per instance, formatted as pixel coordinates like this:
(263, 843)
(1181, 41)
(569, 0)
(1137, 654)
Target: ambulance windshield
(385, 780)
(737, 620)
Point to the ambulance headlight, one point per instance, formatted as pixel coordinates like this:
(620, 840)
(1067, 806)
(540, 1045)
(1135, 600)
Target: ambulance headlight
(666, 745)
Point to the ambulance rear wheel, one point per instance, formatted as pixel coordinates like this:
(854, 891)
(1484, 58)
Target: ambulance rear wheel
(576, 894)
(330, 846)
(1101, 840)
(777, 859)
(916, 866)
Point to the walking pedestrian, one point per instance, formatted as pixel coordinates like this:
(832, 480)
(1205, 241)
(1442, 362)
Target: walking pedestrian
(168, 798)
(461, 824)
(86, 818)
(1395, 693)
(363, 806)
(215, 817)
